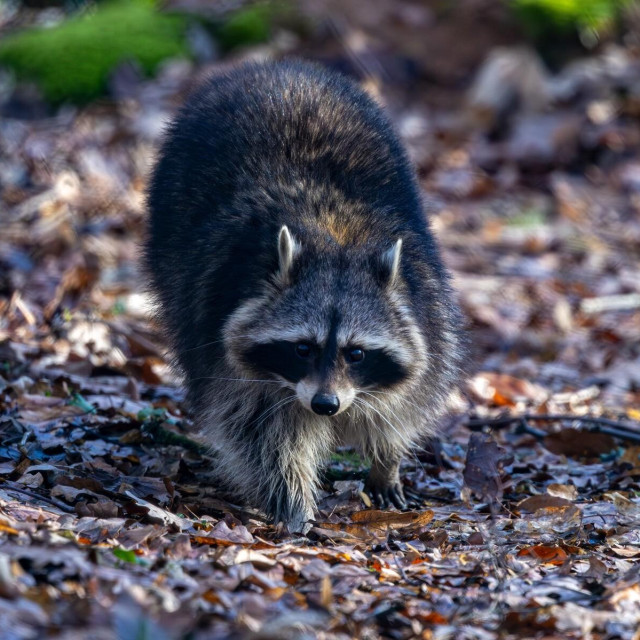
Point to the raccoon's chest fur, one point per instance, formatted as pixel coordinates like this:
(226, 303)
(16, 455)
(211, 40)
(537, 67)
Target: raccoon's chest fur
(298, 281)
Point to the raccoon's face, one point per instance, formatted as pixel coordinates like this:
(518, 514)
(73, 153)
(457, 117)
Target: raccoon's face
(330, 326)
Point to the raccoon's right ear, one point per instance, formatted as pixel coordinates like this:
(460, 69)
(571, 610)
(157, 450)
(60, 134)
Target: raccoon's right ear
(288, 249)
(389, 264)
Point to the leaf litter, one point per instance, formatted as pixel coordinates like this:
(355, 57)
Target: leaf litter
(525, 514)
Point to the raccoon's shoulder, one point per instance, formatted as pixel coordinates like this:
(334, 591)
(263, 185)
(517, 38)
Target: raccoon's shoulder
(284, 92)
(290, 111)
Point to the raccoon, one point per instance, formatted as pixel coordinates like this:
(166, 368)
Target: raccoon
(300, 286)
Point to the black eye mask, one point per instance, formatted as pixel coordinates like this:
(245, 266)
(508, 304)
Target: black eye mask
(279, 357)
(377, 369)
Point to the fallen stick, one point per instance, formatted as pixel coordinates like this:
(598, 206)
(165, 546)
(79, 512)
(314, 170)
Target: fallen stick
(610, 427)
(623, 302)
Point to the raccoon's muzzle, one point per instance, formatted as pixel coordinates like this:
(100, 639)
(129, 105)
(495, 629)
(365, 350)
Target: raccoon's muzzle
(325, 404)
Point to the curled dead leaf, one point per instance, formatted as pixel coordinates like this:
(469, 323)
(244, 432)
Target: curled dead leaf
(5, 527)
(547, 555)
(482, 467)
(326, 593)
(566, 491)
(373, 522)
(533, 503)
(392, 519)
(257, 559)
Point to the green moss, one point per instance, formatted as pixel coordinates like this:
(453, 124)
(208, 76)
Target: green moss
(72, 61)
(568, 15)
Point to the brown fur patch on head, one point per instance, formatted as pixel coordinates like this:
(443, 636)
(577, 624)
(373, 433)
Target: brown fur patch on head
(345, 231)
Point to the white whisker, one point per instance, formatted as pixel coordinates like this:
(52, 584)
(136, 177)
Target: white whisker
(236, 380)
(368, 404)
(409, 448)
(360, 403)
(272, 409)
(396, 396)
(208, 344)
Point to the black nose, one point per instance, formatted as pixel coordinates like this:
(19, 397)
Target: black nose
(325, 404)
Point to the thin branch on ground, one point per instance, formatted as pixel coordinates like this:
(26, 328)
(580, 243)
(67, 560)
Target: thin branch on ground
(607, 426)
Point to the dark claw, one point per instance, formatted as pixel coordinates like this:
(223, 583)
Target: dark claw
(397, 497)
(385, 496)
(414, 499)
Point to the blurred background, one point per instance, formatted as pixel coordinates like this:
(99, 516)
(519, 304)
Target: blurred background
(521, 116)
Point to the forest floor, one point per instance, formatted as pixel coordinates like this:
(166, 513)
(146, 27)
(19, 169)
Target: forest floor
(108, 526)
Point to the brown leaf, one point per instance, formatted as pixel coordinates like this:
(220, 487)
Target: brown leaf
(533, 503)
(102, 509)
(326, 593)
(578, 443)
(7, 528)
(392, 519)
(547, 555)
(631, 455)
(505, 390)
(223, 535)
(374, 523)
(566, 491)
(481, 472)
(157, 515)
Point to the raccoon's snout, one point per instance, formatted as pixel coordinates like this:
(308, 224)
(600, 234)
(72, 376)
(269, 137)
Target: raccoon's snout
(325, 404)
(324, 400)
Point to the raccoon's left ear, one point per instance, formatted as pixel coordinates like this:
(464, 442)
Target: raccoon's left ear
(288, 249)
(390, 263)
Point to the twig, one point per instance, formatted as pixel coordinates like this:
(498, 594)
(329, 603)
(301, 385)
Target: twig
(525, 427)
(400, 568)
(599, 425)
(9, 486)
(624, 302)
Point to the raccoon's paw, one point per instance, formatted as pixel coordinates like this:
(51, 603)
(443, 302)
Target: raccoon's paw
(385, 494)
(298, 522)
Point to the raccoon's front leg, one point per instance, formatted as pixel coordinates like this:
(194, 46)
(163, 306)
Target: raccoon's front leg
(383, 483)
(288, 499)
(290, 466)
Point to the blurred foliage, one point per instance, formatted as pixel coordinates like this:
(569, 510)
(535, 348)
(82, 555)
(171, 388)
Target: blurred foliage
(72, 61)
(256, 22)
(585, 17)
(251, 25)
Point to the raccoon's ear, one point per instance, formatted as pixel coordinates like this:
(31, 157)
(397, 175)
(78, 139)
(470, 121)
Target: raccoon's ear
(390, 263)
(288, 249)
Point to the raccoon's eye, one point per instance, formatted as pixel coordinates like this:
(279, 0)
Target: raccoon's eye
(355, 355)
(303, 349)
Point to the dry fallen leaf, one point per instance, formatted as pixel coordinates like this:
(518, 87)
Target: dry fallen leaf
(257, 559)
(482, 467)
(533, 503)
(505, 390)
(566, 491)
(547, 555)
(383, 519)
(368, 523)
(579, 443)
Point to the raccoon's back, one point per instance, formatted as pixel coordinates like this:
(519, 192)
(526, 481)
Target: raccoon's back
(264, 146)
(269, 143)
